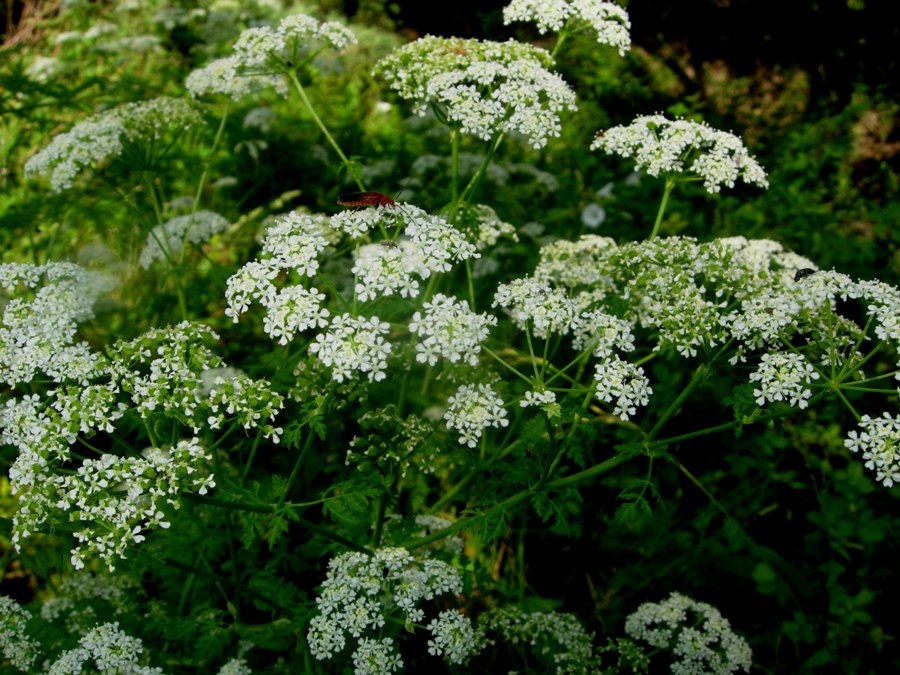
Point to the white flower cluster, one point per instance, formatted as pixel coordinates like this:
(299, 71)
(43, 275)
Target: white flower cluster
(78, 594)
(354, 344)
(114, 498)
(623, 383)
(235, 667)
(106, 649)
(609, 21)
(103, 136)
(111, 520)
(698, 636)
(163, 372)
(532, 302)
(37, 332)
(784, 376)
(489, 228)
(482, 88)
(362, 592)
(472, 409)
(166, 241)
(263, 53)
(878, 439)
(17, 648)
(346, 343)
(448, 328)
(557, 638)
(373, 657)
(662, 146)
(537, 398)
(453, 637)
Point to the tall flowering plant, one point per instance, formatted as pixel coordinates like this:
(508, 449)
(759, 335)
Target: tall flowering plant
(344, 494)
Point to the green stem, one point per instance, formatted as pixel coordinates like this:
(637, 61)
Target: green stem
(348, 165)
(700, 374)
(670, 184)
(509, 502)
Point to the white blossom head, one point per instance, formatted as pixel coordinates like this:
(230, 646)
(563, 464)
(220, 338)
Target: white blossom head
(362, 592)
(166, 241)
(16, 646)
(293, 41)
(607, 20)
(472, 410)
(699, 638)
(665, 147)
(45, 304)
(262, 54)
(103, 136)
(878, 439)
(480, 87)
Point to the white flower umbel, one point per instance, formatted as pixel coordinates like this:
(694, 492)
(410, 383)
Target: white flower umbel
(103, 136)
(532, 302)
(373, 657)
(453, 637)
(235, 667)
(661, 146)
(878, 439)
(226, 77)
(559, 640)
(472, 409)
(537, 398)
(293, 310)
(105, 649)
(294, 40)
(114, 499)
(784, 376)
(384, 269)
(79, 596)
(698, 636)
(354, 344)
(262, 55)
(361, 593)
(622, 383)
(448, 328)
(17, 648)
(481, 88)
(37, 331)
(166, 240)
(606, 19)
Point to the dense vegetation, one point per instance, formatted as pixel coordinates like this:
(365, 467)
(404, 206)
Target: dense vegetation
(563, 339)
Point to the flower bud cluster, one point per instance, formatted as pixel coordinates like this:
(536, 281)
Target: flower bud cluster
(556, 638)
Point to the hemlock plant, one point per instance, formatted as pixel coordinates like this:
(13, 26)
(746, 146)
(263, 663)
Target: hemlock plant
(399, 390)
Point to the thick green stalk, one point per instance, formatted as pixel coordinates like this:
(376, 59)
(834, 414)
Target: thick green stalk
(348, 165)
(670, 184)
